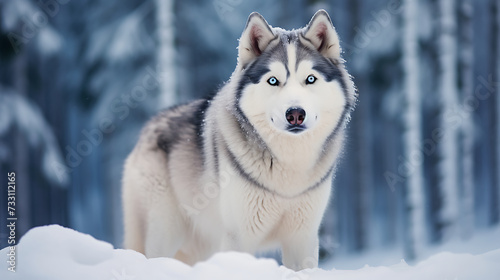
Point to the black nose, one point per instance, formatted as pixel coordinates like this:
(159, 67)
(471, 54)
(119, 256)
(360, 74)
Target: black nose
(295, 116)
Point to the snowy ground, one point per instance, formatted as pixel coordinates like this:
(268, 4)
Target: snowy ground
(481, 242)
(54, 252)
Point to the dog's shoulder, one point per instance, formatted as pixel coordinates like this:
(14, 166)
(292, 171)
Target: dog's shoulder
(172, 126)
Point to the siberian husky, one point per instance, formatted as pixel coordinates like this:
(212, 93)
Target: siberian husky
(250, 168)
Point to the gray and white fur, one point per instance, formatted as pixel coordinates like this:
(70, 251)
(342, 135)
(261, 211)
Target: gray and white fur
(251, 168)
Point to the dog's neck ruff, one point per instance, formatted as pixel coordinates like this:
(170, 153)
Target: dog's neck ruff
(261, 186)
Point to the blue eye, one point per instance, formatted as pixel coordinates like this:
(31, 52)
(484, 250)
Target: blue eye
(273, 81)
(310, 79)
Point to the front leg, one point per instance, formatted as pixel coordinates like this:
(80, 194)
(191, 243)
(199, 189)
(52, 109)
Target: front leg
(301, 251)
(299, 231)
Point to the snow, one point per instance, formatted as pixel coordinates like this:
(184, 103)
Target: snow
(49, 41)
(118, 41)
(23, 13)
(481, 242)
(53, 252)
(128, 37)
(13, 11)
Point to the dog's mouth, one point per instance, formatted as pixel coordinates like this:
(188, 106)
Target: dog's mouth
(296, 128)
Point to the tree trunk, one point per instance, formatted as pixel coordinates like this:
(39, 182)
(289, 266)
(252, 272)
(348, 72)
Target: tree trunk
(448, 167)
(495, 115)
(497, 109)
(358, 190)
(414, 193)
(166, 52)
(467, 130)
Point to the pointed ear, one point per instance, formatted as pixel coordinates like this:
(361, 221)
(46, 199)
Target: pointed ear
(321, 34)
(255, 38)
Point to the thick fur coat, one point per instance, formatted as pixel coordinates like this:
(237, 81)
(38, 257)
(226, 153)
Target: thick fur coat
(250, 168)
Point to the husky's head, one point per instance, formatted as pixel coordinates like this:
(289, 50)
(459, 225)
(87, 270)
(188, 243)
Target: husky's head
(292, 82)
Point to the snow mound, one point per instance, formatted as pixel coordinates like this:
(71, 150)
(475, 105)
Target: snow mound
(53, 252)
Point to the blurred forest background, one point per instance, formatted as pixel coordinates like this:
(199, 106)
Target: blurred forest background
(78, 79)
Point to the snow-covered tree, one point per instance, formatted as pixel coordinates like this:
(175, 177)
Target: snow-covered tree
(29, 144)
